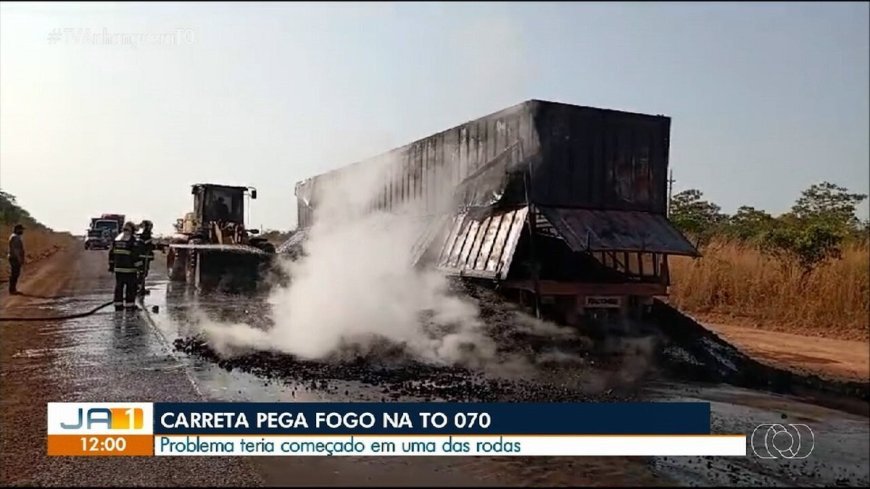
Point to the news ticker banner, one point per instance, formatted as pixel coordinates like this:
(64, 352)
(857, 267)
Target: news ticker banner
(386, 429)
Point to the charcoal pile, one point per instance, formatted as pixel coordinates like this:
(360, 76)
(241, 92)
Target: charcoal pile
(404, 379)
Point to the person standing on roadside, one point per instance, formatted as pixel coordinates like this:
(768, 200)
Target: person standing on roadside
(16, 258)
(125, 263)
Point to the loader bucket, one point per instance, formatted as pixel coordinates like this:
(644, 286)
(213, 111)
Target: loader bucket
(229, 268)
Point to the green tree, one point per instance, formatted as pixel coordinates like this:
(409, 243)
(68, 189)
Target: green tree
(693, 215)
(11, 213)
(807, 244)
(749, 223)
(830, 204)
(813, 232)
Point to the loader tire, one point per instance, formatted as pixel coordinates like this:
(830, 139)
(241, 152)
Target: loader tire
(190, 269)
(177, 265)
(269, 248)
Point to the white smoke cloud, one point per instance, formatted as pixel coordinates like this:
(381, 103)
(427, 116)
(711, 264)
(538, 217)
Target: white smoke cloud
(355, 289)
(356, 282)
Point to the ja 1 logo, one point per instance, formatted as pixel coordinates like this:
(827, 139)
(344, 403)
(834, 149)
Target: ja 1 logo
(108, 418)
(770, 441)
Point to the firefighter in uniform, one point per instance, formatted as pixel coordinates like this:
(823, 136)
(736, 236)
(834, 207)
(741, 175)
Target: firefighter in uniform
(125, 263)
(146, 253)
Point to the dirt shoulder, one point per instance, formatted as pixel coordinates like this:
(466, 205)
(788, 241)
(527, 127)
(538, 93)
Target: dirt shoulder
(40, 246)
(45, 278)
(825, 357)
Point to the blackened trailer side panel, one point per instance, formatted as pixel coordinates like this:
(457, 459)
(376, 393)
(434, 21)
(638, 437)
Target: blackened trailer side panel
(601, 159)
(429, 171)
(580, 157)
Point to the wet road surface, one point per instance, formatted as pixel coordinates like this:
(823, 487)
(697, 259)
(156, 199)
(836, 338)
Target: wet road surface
(124, 357)
(104, 357)
(110, 357)
(840, 445)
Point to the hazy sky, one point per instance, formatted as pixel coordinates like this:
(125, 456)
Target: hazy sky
(120, 107)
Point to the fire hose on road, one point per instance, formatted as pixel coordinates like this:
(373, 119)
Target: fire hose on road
(59, 318)
(65, 316)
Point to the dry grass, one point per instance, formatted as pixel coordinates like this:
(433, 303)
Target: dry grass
(38, 245)
(739, 281)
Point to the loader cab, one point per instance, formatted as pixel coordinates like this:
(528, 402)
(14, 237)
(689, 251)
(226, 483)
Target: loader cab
(220, 203)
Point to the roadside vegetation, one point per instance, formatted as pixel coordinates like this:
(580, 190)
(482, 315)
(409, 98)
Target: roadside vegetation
(40, 241)
(806, 271)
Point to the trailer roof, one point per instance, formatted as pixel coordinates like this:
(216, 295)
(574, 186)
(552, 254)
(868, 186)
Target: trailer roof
(528, 105)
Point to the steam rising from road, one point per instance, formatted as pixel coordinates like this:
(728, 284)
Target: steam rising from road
(355, 291)
(356, 282)
(356, 285)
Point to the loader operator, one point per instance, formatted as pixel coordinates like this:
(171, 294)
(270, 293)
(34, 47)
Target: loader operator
(146, 254)
(221, 211)
(125, 263)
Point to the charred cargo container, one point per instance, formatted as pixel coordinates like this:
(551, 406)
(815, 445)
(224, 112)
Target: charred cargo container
(564, 207)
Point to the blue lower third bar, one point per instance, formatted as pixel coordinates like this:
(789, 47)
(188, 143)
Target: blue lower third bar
(652, 418)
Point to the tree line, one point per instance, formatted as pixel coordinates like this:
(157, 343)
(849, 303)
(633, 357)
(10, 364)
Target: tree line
(822, 220)
(11, 213)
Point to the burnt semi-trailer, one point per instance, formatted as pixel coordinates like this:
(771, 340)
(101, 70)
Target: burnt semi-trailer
(562, 206)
